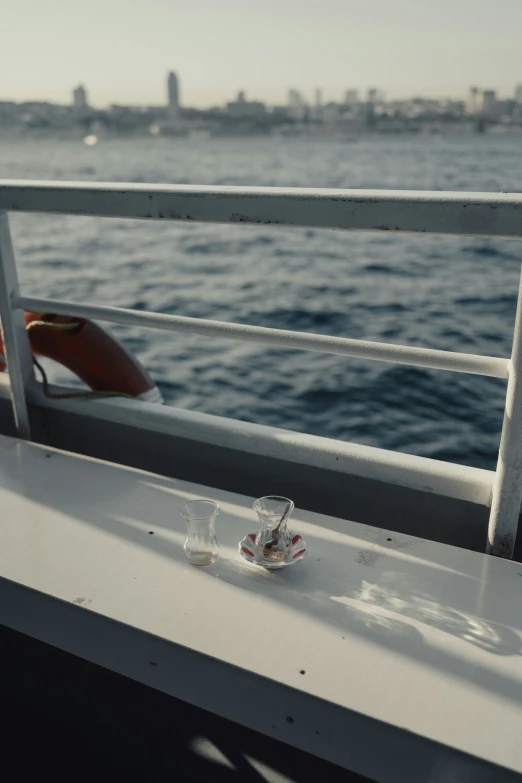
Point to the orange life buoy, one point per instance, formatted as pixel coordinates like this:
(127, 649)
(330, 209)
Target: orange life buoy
(91, 353)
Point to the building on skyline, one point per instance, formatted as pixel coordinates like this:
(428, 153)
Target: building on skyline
(482, 102)
(489, 102)
(244, 109)
(80, 97)
(375, 95)
(296, 105)
(518, 93)
(351, 97)
(318, 108)
(173, 94)
(473, 100)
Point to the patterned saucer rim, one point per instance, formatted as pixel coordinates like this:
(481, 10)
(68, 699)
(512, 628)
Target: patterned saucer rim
(247, 550)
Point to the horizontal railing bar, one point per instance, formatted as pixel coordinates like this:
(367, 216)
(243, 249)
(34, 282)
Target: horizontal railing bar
(407, 470)
(276, 338)
(471, 214)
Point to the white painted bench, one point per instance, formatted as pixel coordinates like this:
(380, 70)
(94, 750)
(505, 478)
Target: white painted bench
(392, 656)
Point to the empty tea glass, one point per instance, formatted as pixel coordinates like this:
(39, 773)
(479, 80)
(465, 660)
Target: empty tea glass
(201, 546)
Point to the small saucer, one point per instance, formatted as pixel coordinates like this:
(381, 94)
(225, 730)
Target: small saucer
(296, 551)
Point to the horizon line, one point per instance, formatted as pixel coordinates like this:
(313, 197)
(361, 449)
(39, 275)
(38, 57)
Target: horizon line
(311, 91)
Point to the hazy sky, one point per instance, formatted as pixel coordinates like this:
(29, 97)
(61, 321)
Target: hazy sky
(122, 49)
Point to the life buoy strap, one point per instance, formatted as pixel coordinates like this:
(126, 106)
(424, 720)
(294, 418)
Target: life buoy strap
(91, 353)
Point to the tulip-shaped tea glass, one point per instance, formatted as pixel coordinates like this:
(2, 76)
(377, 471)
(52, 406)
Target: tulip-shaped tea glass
(274, 546)
(201, 546)
(272, 541)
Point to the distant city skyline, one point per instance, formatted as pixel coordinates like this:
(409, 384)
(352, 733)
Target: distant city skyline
(355, 113)
(271, 98)
(310, 93)
(80, 96)
(121, 52)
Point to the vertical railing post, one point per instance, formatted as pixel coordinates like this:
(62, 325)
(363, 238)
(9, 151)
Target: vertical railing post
(16, 342)
(507, 486)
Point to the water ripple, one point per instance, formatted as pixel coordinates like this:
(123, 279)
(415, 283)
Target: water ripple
(445, 292)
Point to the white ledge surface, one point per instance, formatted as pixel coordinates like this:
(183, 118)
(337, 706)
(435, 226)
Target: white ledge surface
(396, 657)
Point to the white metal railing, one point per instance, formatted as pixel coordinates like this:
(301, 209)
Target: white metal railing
(473, 214)
(276, 338)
